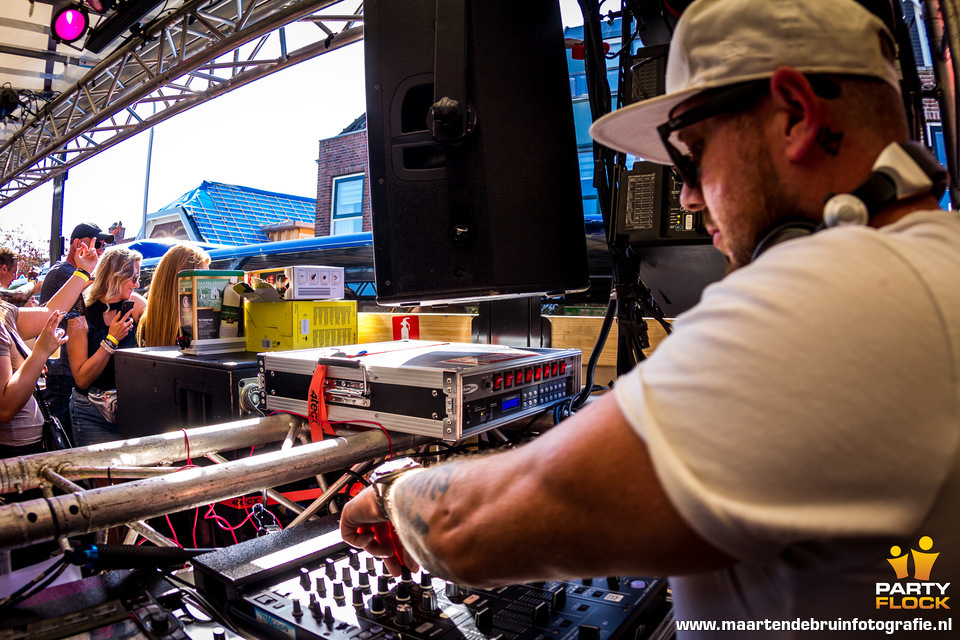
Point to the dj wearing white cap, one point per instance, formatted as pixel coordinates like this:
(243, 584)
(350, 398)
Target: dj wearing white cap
(792, 451)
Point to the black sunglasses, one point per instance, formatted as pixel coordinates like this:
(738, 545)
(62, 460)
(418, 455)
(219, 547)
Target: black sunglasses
(727, 100)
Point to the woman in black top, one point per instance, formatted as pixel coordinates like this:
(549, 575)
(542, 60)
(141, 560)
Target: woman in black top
(95, 337)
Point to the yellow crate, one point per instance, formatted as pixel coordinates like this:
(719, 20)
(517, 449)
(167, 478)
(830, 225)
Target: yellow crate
(299, 324)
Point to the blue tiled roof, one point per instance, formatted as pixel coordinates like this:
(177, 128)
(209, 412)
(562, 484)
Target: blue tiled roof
(231, 214)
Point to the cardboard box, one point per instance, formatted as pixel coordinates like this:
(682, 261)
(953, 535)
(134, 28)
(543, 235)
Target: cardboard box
(201, 299)
(299, 324)
(304, 282)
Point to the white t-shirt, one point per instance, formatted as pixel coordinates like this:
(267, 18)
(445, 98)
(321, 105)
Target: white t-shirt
(804, 419)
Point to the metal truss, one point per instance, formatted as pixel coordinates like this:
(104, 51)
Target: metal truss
(155, 484)
(186, 57)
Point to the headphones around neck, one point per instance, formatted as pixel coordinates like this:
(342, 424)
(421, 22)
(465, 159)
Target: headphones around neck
(901, 171)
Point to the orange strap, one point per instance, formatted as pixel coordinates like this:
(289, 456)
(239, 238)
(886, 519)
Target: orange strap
(317, 406)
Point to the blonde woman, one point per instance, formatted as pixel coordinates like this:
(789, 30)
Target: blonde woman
(108, 324)
(160, 324)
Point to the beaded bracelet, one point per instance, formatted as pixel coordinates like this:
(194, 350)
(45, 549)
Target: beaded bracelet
(109, 348)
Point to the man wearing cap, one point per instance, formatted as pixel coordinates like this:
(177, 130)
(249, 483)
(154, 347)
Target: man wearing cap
(59, 377)
(799, 428)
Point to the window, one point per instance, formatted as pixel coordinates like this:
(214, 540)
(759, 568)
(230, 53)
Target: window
(347, 210)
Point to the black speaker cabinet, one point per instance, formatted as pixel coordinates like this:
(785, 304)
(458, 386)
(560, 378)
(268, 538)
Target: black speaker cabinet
(493, 212)
(160, 389)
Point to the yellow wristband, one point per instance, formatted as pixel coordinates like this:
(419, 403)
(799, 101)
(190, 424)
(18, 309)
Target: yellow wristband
(112, 340)
(82, 274)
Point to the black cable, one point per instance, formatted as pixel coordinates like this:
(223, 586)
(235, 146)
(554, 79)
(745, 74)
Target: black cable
(36, 585)
(587, 389)
(201, 602)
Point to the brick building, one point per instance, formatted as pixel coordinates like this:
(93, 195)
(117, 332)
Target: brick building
(343, 190)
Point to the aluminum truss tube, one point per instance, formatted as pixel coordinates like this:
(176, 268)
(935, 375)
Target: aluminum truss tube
(21, 474)
(41, 520)
(141, 528)
(269, 23)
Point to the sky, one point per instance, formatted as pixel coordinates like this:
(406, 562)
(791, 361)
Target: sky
(264, 135)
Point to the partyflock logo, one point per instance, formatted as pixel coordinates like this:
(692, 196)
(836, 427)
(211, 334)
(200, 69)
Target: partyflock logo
(920, 592)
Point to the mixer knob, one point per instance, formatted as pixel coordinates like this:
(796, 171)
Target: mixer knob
(404, 614)
(297, 609)
(305, 578)
(377, 607)
(363, 581)
(321, 586)
(371, 565)
(338, 591)
(219, 633)
(426, 581)
(357, 597)
(453, 591)
(405, 575)
(403, 592)
(328, 615)
(347, 576)
(428, 601)
(355, 559)
(383, 585)
(613, 582)
(329, 569)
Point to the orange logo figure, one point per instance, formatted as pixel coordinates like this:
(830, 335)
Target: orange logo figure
(898, 562)
(923, 562)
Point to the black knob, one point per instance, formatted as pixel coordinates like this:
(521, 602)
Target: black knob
(453, 591)
(347, 576)
(383, 585)
(484, 620)
(321, 586)
(403, 592)
(541, 614)
(313, 605)
(363, 580)
(219, 633)
(588, 632)
(159, 622)
(297, 609)
(405, 575)
(329, 569)
(428, 601)
(587, 581)
(328, 615)
(404, 614)
(613, 582)
(426, 580)
(377, 607)
(357, 597)
(371, 565)
(355, 559)
(338, 591)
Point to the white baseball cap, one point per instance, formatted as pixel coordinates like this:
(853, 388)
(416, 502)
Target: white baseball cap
(718, 43)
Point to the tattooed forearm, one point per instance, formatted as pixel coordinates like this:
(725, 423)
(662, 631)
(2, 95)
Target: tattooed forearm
(430, 483)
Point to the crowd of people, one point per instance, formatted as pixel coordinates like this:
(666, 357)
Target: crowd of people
(88, 308)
